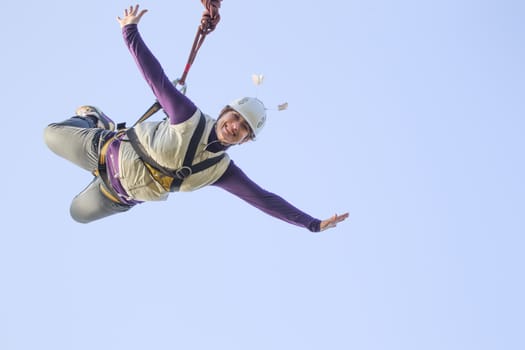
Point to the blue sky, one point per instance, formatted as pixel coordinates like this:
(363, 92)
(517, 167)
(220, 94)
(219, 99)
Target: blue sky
(407, 114)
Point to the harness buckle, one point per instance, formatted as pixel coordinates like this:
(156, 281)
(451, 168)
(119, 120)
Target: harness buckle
(183, 172)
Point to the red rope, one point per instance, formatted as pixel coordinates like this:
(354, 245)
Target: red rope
(210, 19)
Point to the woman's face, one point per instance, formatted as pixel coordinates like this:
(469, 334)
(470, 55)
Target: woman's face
(232, 129)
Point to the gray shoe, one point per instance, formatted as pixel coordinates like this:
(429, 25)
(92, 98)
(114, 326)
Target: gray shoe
(103, 121)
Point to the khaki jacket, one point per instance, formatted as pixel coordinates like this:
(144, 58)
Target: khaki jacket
(167, 145)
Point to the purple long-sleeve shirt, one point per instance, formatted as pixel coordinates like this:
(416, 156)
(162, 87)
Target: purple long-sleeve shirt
(179, 108)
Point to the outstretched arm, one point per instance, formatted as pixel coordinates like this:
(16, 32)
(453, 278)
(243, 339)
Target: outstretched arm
(235, 181)
(177, 106)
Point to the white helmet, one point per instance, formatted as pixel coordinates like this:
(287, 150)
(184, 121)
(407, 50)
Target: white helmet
(253, 111)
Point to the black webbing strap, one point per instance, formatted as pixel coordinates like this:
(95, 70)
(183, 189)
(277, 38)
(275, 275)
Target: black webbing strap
(187, 167)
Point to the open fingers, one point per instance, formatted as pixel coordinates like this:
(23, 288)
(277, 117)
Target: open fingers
(333, 221)
(132, 15)
(339, 218)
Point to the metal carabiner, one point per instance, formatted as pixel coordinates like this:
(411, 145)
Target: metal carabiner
(183, 86)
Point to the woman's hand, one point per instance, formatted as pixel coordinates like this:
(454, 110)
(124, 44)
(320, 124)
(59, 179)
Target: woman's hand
(131, 16)
(333, 221)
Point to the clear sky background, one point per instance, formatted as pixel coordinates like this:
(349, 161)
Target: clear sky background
(407, 114)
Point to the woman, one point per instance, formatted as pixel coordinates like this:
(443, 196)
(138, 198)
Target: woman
(184, 152)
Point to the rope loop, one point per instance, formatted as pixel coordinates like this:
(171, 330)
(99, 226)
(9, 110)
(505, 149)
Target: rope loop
(210, 16)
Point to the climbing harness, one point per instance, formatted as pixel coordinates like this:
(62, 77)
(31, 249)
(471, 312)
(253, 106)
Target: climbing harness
(171, 179)
(210, 19)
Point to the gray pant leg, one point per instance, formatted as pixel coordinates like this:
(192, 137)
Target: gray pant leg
(79, 142)
(76, 141)
(91, 204)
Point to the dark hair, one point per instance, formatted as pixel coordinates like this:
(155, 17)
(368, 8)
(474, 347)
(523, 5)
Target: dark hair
(226, 109)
